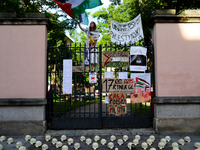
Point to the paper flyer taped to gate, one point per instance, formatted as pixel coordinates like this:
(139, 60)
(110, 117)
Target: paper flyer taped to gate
(123, 75)
(142, 87)
(93, 77)
(138, 58)
(67, 76)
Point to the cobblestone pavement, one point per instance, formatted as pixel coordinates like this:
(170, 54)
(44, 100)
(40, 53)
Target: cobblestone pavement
(104, 133)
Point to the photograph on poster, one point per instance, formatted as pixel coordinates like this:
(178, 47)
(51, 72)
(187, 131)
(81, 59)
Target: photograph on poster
(138, 58)
(142, 87)
(117, 103)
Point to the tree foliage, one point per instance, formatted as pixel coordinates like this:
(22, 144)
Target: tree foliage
(59, 20)
(129, 9)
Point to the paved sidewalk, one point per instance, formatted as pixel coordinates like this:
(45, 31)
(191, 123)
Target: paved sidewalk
(104, 133)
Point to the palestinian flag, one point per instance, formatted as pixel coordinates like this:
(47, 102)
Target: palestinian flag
(141, 82)
(76, 8)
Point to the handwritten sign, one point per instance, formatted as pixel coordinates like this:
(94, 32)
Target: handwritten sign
(127, 33)
(78, 68)
(118, 85)
(117, 104)
(116, 59)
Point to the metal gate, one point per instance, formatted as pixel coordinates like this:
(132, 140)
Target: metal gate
(86, 107)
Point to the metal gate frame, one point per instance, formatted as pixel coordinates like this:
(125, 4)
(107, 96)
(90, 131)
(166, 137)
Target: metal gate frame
(59, 116)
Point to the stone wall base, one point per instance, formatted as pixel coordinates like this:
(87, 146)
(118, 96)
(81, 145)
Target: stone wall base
(176, 125)
(22, 127)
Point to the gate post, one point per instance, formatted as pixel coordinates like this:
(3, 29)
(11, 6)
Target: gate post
(176, 40)
(23, 45)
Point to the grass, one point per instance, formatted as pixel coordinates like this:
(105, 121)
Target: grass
(140, 109)
(64, 106)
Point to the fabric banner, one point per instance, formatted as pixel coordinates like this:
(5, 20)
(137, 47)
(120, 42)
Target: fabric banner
(127, 33)
(142, 87)
(117, 104)
(138, 58)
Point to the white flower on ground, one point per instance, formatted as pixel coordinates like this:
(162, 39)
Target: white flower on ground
(58, 144)
(120, 141)
(54, 141)
(144, 145)
(32, 141)
(96, 138)
(88, 141)
(10, 140)
(38, 144)
(63, 138)
(103, 141)
(18, 144)
(47, 138)
(64, 147)
(112, 138)
(95, 145)
(27, 137)
(82, 138)
(45, 147)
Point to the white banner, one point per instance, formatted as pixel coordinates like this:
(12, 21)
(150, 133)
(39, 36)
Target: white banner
(127, 33)
(138, 58)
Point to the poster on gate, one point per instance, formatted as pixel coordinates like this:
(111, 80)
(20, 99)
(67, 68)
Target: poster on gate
(117, 104)
(138, 58)
(142, 87)
(93, 77)
(118, 85)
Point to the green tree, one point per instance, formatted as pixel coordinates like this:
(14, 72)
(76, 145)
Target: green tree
(129, 9)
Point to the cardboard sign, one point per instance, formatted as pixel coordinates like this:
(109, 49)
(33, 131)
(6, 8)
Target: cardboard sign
(116, 59)
(118, 85)
(78, 68)
(117, 103)
(93, 77)
(142, 88)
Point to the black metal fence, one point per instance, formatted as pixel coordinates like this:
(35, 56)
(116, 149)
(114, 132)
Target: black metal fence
(85, 107)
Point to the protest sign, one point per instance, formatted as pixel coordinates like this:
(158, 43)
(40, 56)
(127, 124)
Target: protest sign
(142, 88)
(118, 85)
(78, 68)
(93, 77)
(138, 58)
(117, 103)
(116, 59)
(127, 33)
